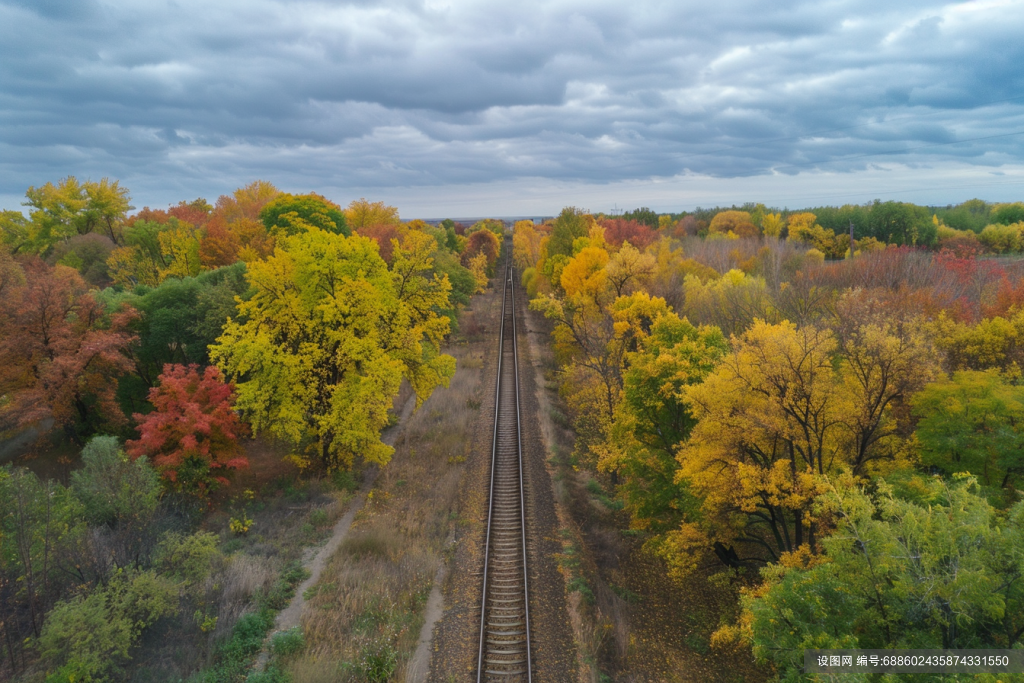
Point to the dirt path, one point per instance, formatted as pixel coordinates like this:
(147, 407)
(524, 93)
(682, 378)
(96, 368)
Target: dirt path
(291, 615)
(418, 669)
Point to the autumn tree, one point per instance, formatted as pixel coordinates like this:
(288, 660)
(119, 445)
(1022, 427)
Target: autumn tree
(618, 230)
(996, 342)
(1002, 239)
(192, 434)
(943, 570)
(652, 419)
(288, 214)
(361, 213)
(219, 246)
(245, 202)
(738, 223)
(731, 302)
(597, 317)
(482, 242)
(16, 231)
(60, 352)
(787, 408)
(196, 212)
(179, 245)
(329, 333)
(526, 245)
(70, 207)
(772, 225)
(385, 235)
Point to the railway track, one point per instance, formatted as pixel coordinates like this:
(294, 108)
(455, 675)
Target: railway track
(504, 653)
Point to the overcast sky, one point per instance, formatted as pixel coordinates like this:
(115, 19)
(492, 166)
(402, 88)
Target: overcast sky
(463, 108)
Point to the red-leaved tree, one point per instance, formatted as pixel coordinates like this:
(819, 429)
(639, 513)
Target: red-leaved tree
(192, 435)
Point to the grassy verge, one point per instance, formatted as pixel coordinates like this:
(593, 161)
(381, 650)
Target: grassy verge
(362, 620)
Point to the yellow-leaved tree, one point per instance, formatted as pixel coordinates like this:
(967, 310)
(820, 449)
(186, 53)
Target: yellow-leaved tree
(787, 408)
(597, 317)
(320, 349)
(363, 214)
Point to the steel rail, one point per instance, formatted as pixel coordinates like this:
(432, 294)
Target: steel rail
(504, 652)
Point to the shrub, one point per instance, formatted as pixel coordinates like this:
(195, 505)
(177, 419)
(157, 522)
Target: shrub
(378, 660)
(112, 486)
(187, 558)
(1002, 239)
(89, 637)
(288, 643)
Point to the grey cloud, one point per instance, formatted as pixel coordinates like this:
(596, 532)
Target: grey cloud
(382, 94)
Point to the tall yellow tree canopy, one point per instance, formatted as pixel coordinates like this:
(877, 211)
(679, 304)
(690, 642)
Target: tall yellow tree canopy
(789, 407)
(362, 214)
(320, 349)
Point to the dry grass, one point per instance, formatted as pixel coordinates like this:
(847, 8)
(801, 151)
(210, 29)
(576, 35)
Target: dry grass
(367, 610)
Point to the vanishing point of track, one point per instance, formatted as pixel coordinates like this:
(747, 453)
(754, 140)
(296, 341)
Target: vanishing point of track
(504, 653)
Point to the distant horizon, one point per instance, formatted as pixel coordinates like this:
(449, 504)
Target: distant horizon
(786, 192)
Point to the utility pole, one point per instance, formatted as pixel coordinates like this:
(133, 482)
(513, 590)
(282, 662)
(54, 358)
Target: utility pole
(851, 239)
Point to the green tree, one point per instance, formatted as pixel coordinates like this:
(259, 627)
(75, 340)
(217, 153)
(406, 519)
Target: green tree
(1007, 214)
(945, 571)
(40, 522)
(113, 487)
(973, 423)
(902, 223)
(70, 208)
(290, 213)
(643, 215)
(120, 498)
(571, 224)
(179, 320)
(652, 419)
(90, 637)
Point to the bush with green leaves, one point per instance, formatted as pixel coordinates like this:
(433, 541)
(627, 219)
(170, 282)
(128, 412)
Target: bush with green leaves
(114, 488)
(187, 558)
(287, 644)
(974, 422)
(89, 637)
(945, 570)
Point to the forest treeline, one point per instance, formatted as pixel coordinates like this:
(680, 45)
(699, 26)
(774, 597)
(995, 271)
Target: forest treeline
(157, 341)
(839, 438)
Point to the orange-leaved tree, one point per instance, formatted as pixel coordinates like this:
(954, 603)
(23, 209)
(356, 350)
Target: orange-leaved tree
(60, 350)
(192, 435)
